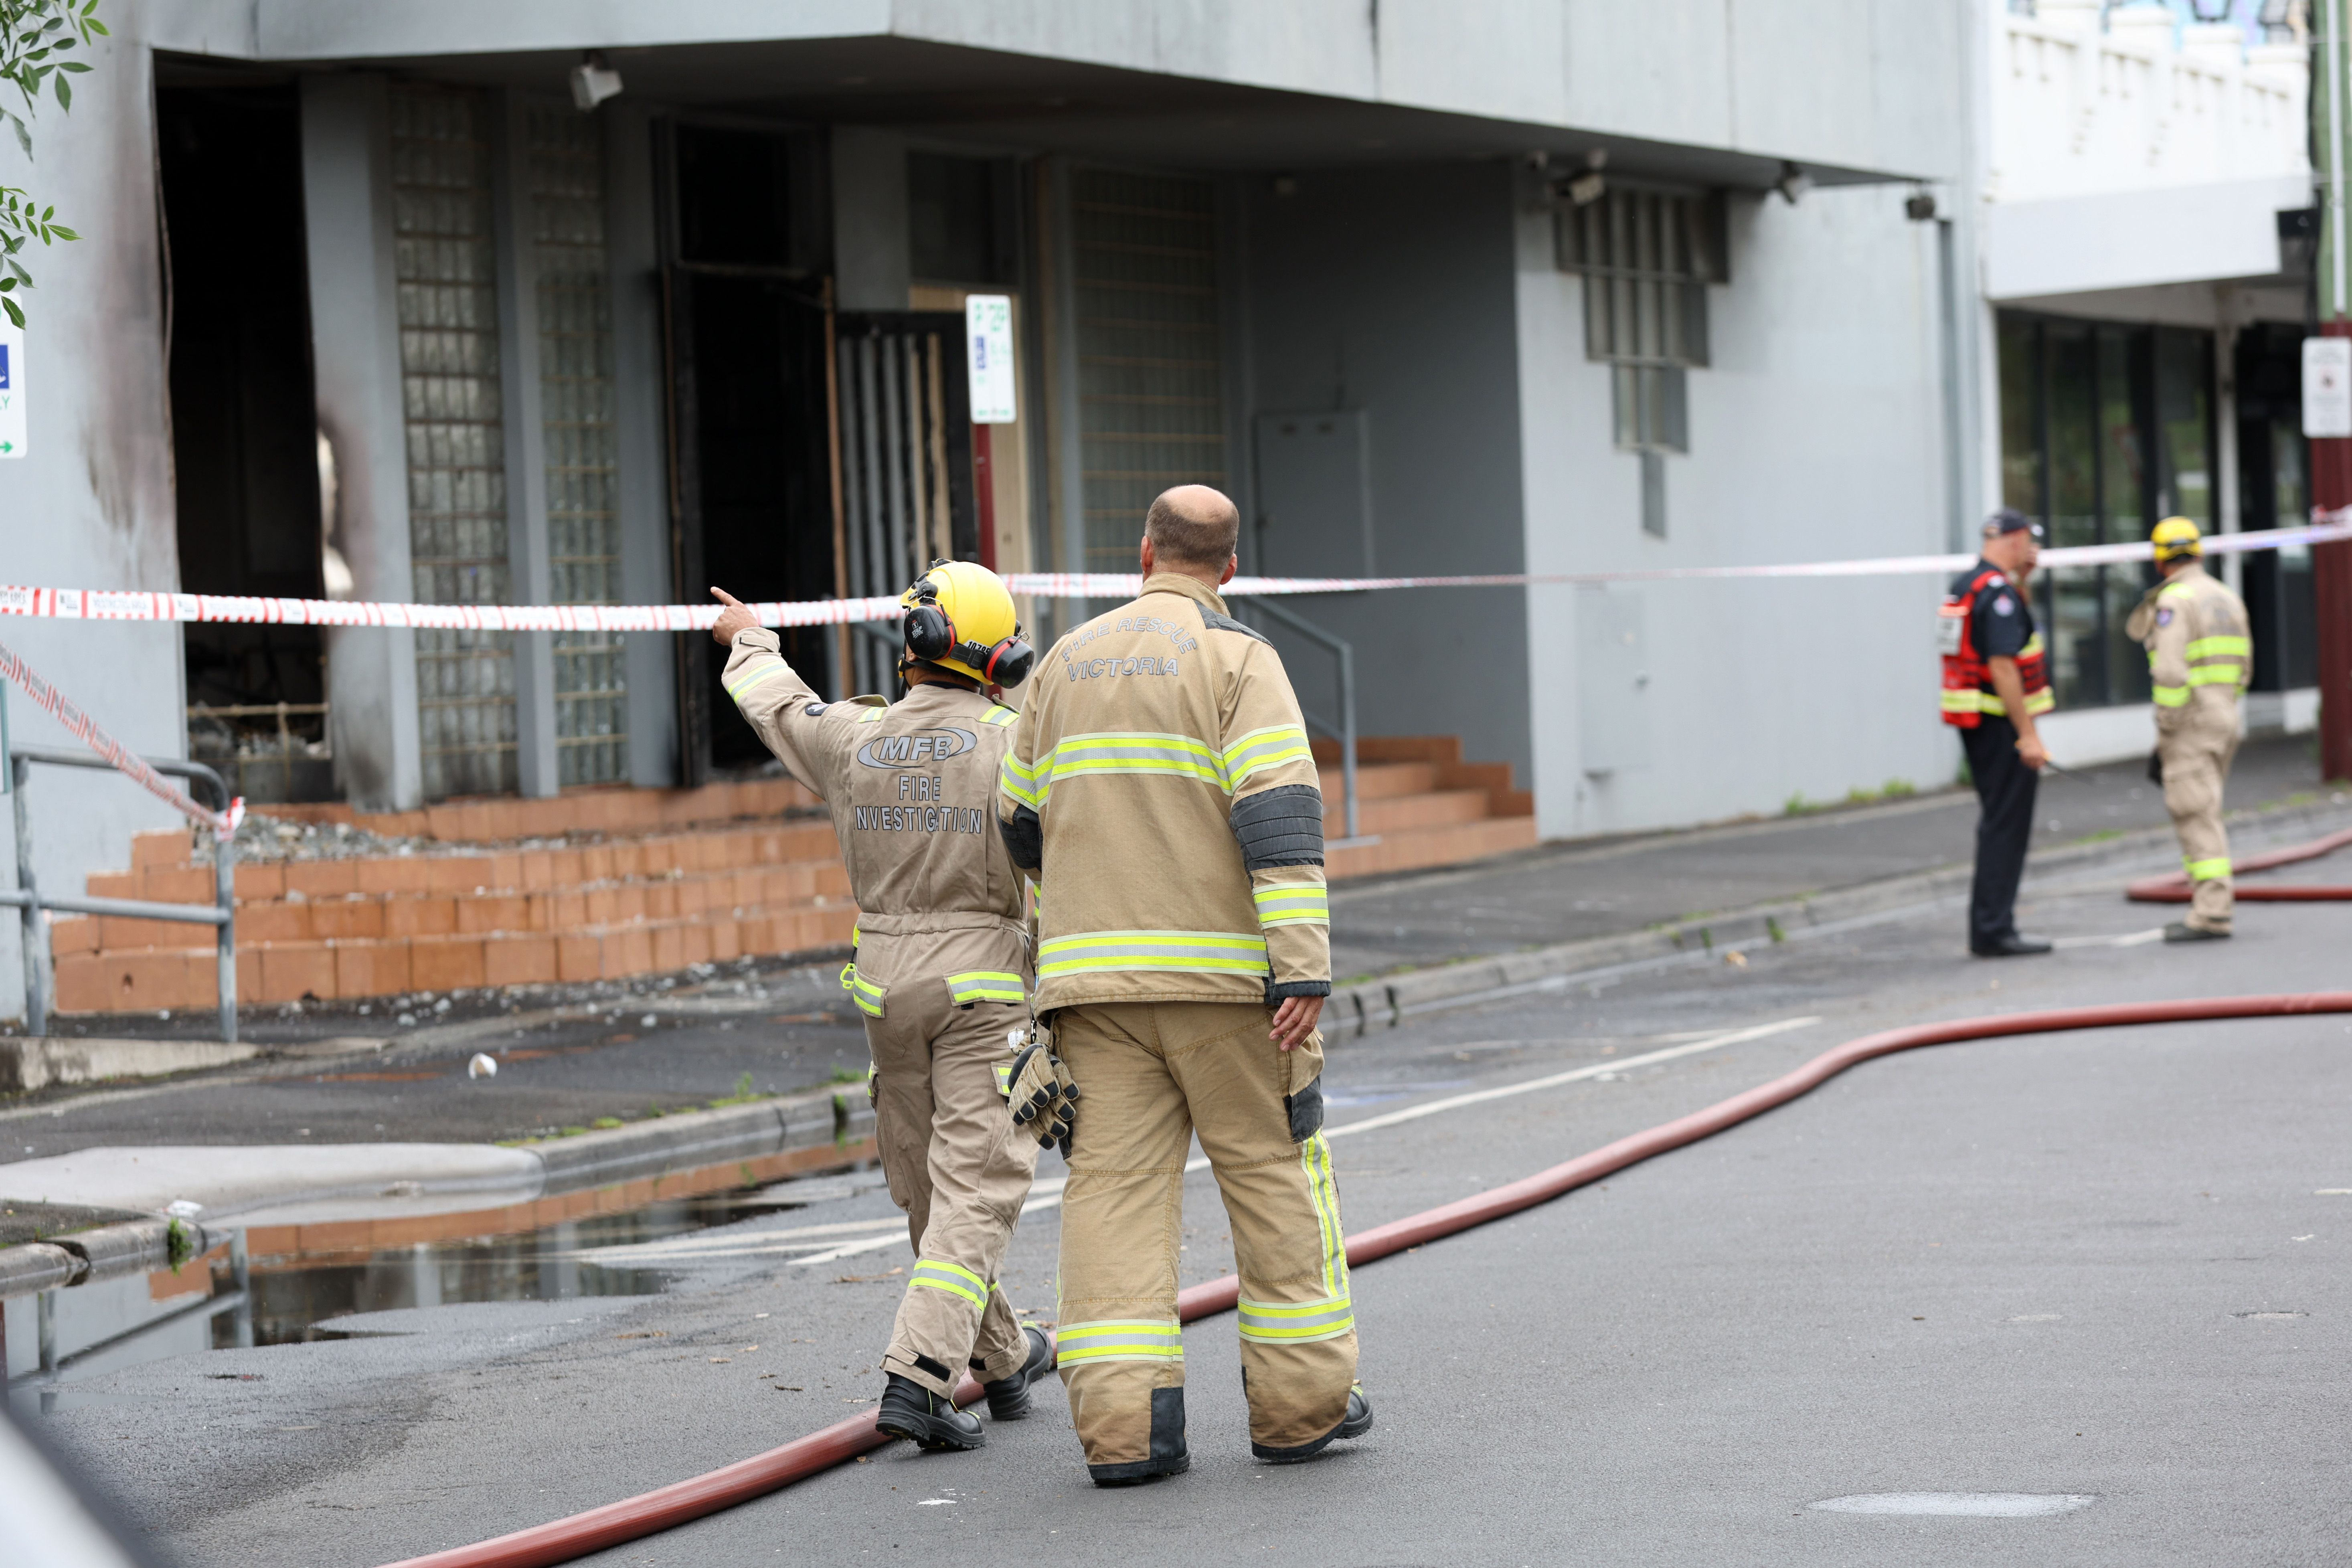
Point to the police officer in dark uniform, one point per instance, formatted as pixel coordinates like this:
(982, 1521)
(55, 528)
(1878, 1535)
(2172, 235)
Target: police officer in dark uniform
(1995, 679)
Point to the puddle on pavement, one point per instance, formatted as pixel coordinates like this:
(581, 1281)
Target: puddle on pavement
(293, 1297)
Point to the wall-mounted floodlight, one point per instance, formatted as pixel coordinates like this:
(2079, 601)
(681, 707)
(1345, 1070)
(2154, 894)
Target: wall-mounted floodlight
(1588, 187)
(1792, 183)
(592, 81)
(1919, 206)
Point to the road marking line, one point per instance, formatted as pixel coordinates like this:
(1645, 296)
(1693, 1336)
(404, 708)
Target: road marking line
(1047, 1194)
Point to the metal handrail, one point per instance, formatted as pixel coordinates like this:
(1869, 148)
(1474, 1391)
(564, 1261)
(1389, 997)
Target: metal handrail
(1345, 731)
(27, 897)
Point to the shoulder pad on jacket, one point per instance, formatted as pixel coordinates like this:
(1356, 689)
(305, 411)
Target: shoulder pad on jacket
(1212, 621)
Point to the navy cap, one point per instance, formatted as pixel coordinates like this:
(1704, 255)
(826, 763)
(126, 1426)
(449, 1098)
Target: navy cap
(2009, 520)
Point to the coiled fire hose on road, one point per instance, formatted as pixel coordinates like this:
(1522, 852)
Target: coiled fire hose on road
(667, 1507)
(2175, 888)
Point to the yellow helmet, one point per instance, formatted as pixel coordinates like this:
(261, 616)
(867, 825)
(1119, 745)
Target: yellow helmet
(2176, 537)
(960, 616)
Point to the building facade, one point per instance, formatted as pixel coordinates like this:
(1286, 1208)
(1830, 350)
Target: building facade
(532, 305)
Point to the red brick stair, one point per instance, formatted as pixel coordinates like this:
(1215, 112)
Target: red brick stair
(606, 884)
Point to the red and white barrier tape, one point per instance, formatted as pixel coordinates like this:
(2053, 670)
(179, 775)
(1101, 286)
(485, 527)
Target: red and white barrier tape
(83, 728)
(108, 604)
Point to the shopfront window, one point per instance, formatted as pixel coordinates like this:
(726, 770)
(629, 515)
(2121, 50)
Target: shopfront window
(2105, 430)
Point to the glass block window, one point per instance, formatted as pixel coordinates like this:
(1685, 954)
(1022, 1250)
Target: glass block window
(1647, 258)
(1151, 389)
(446, 264)
(575, 380)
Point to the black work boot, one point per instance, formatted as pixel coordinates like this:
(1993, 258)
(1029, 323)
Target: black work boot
(1354, 1423)
(930, 1421)
(1008, 1396)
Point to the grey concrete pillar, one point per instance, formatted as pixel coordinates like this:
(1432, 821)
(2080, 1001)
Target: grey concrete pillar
(529, 575)
(640, 395)
(355, 352)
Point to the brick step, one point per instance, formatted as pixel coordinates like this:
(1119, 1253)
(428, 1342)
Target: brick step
(1405, 814)
(1380, 781)
(488, 819)
(1392, 749)
(368, 916)
(149, 978)
(1435, 847)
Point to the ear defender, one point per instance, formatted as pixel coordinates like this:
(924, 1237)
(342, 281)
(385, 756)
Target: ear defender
(929, 634)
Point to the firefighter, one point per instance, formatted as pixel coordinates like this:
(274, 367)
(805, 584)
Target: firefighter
(1996, 683)
(942, 968)
(1160, 786)
(2199, 661)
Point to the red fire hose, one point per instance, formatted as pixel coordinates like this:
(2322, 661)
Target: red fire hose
(2175, 888)
(633, 1518)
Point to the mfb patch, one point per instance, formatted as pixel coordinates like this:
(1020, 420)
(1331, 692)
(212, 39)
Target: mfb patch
(923, 747)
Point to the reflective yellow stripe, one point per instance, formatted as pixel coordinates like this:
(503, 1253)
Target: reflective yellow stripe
(986, 985)
(2207, 870)
(1299, 904)
(2171, 696)
(1019, 780)
(1004, 1079)
(956, 1280)
(1265, 748)
(861, 991)
(870, 714)
(1178, 756)
(1964, 701)
(1314, 1154)
(2175, 591)
(2214, 675)
(2040, 701)
(2220, 647)
(1000, 715)
(2032, 646)
(1216, 951)
(757, 674)
(1297, 1323)
(1148, 1340)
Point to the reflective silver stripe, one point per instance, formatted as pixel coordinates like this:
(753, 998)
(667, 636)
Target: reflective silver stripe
(1314, 1154)
(1265, 748)
(1216, 951)
(1114, 1340)
(950, 1277)
(752, 677)
(986, 985)
(1293, 903)
(1301, 1323)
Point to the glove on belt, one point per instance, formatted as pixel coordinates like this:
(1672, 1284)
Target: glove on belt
(1044, 1097)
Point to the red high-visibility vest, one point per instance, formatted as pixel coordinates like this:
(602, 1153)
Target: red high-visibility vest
(1967, 679)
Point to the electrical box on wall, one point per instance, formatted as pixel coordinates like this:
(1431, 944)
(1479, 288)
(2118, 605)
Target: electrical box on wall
(1612, 674)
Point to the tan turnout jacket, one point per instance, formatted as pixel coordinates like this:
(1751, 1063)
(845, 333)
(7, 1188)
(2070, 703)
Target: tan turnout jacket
(911, 785)
(1158, 739)
(2198, 655)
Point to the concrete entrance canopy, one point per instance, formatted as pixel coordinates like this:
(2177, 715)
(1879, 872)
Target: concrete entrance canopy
(1679, 89)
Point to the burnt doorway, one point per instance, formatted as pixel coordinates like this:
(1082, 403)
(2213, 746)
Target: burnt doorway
(753, 501)
(245, 434)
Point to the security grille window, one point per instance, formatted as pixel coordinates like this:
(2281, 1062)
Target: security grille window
(575, 379)
(1150, 393)
(445, 261)
(1647, 258)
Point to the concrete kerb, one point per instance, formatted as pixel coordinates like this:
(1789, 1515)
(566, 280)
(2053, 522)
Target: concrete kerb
(1387, 1001)
(684, 1142)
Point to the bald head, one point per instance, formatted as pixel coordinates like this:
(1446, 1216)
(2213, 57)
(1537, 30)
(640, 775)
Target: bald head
(1191, 529)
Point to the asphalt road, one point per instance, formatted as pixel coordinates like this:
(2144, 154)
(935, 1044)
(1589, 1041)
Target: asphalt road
(2093, 1266)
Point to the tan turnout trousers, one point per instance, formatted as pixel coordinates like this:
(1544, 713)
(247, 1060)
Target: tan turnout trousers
(2199, 661)
(1152, 1075)
(941, 972)
(954, 1159)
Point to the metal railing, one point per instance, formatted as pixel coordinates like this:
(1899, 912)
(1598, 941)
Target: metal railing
(1344, 730)
(27, 895)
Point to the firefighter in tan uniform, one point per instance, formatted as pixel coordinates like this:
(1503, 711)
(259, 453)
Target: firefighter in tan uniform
(1160, 787)
(941, 969)
(2199, 660)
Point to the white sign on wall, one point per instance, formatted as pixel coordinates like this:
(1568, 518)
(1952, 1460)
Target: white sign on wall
(12, 389)
(2328, 387)
(988, 349)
